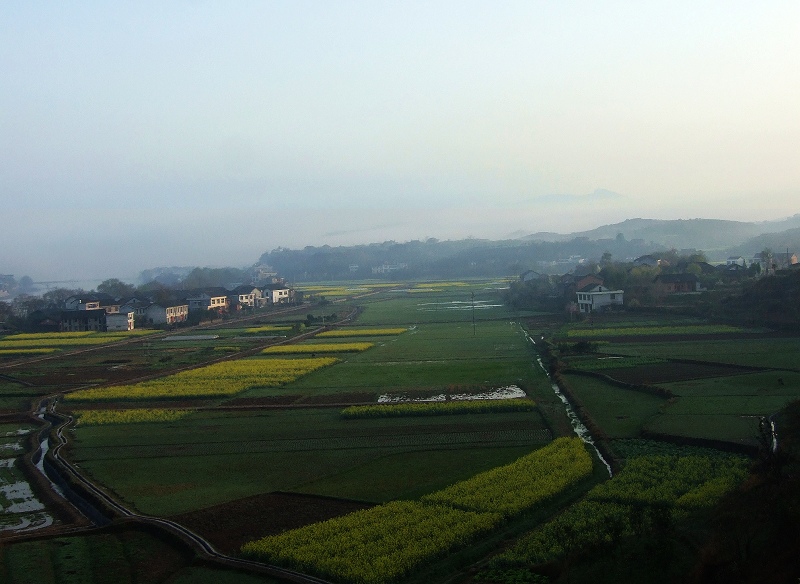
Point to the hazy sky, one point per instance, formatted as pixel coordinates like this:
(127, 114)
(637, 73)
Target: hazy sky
(144, 134)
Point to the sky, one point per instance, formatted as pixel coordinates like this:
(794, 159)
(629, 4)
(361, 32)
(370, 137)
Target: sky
(145, 134)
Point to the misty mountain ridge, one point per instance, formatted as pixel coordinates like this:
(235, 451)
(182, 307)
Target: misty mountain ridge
(433, 258)
(709, 235)
(778, 242)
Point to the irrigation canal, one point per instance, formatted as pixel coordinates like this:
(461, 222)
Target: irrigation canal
(578, 427)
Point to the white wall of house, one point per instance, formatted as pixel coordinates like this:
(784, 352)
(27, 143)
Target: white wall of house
(120, 321)
(598, 298)
(158, 314)
(279, 296)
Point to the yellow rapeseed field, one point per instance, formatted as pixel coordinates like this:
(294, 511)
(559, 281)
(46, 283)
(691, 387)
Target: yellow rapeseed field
(318, 348)
(362, 332)
(217, 380)
(104, 417)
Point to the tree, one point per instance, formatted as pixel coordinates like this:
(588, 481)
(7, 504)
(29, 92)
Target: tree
(26, 284)
(694, 269)
(57, 297)
(116, 288)
(5, 311)
(24, 304)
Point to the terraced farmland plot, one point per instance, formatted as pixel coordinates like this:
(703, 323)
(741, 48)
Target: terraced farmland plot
(379, 378)
(452, 305)
(621, 413)
(384, 543)
(737, 429)
(430, 342)
(674, 485)
(726, 408)
(165, 468)
(767, 384)
(652, 331)
(429, 358)
(764, 352)
(666, 372)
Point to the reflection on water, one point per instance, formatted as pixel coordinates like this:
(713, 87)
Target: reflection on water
(20, 510)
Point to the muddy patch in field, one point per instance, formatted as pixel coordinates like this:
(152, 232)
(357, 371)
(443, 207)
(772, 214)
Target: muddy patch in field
(229, 525)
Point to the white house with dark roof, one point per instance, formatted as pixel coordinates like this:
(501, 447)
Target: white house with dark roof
(736, 260)
(594, 297)
(277, 293)
(246, 295)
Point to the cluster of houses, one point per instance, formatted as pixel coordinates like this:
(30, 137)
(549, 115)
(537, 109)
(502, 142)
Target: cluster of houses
(587, 293)
(96, 311)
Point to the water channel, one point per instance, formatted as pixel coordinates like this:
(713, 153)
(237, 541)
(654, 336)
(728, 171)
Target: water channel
(577, 426)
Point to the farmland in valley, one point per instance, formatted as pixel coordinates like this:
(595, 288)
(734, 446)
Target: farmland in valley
(380, 426)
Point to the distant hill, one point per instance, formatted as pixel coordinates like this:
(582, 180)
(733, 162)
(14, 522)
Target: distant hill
(709, 235)
(549, 252)
(777, 242)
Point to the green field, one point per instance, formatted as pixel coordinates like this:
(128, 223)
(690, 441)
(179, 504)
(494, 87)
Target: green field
(118, 556)
(724, 408)
(429, 357)
(291, 438)
(165, 468)
(621, 413)
(778, 353)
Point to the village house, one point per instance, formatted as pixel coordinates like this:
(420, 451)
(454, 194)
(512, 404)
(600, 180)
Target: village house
(569, 284)
(277, 294)
(157, 313)
(87, 319)
(208, 299)
(666, 284)
(736, 260)
(92, 301)
(120, 321)
(246, 296)
(137, 305)
(594, 297)
(784, 260)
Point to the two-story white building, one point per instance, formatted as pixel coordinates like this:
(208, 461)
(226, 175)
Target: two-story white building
(595, 297)
(277, 293)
